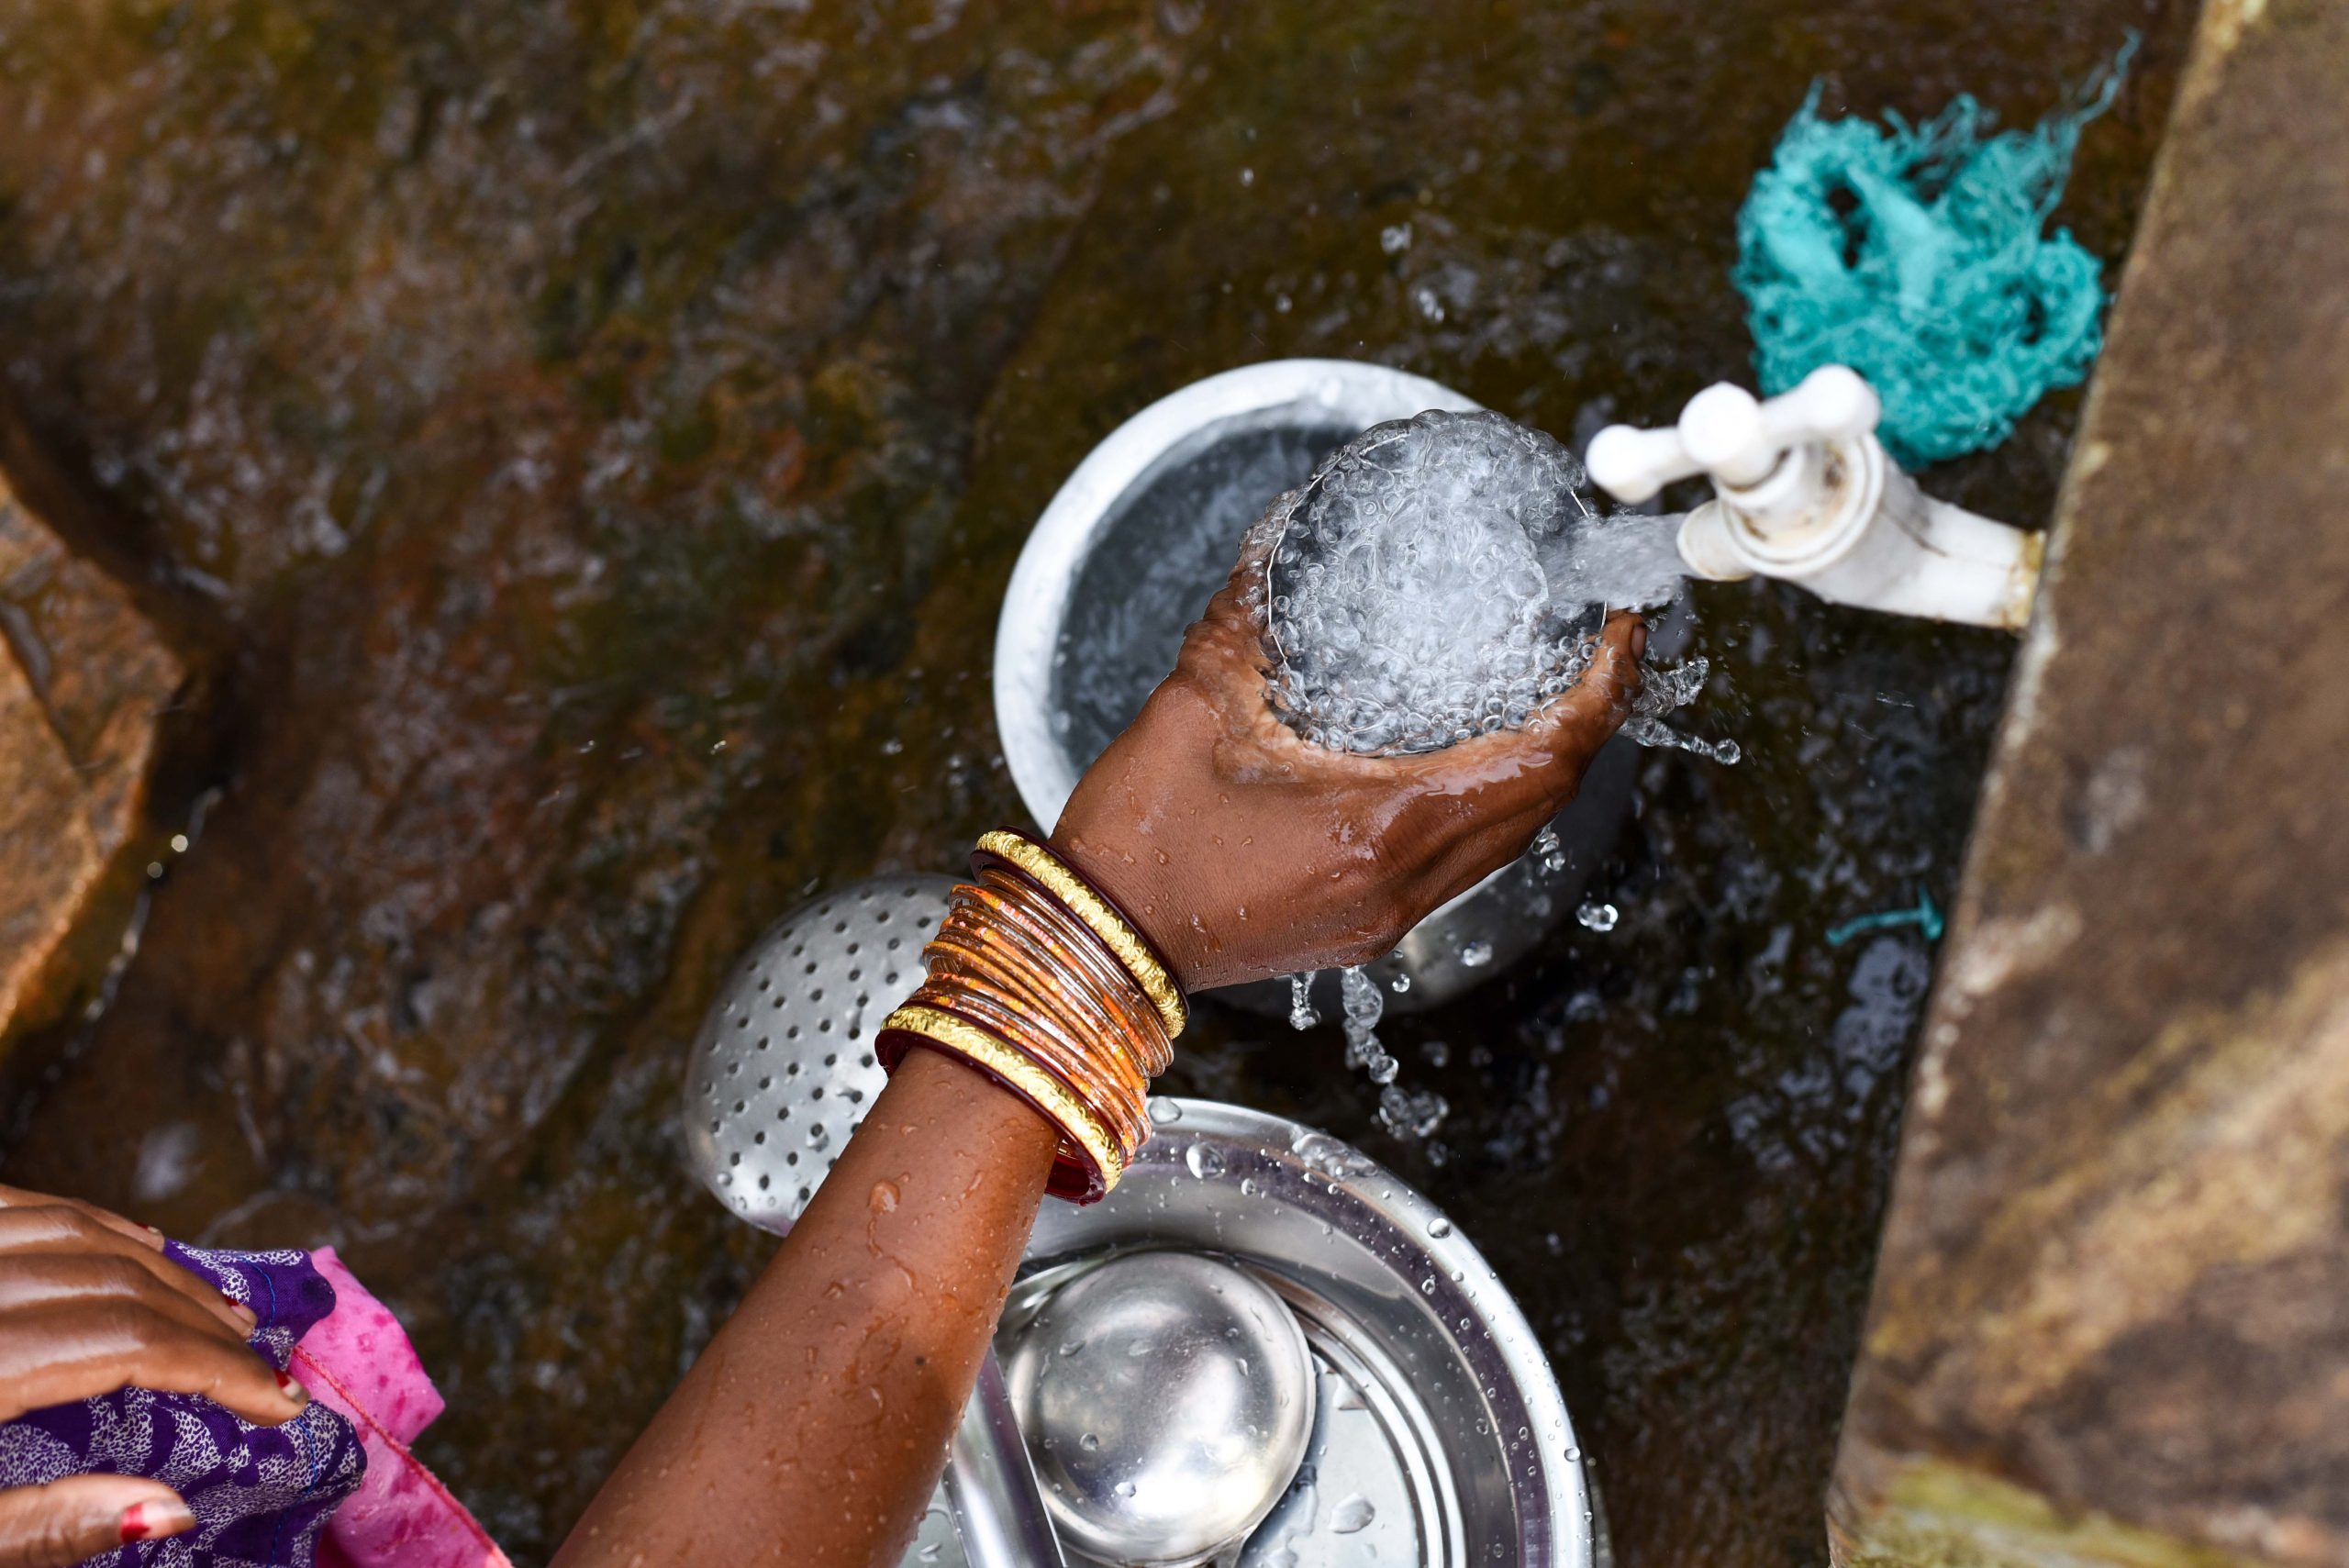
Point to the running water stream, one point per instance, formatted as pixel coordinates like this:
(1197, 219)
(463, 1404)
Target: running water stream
(1445, 576)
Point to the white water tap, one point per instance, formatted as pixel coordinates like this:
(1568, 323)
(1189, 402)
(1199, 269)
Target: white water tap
(1803, 491)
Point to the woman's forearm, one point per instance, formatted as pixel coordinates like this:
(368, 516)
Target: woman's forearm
(815, 1426)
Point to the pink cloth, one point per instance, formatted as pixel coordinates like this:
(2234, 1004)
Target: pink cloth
(359, 1360)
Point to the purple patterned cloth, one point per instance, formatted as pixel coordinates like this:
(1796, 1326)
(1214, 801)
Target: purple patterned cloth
(260, 1494)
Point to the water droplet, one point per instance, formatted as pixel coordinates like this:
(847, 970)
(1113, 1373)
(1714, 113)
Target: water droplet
(1548, 853)
(1596, 916)
(1165, 1111)
(1089, 1442)
(1125, 1488)
(1399, 984)
(1439, 1227)
(1353, 1516)
(1412, 1113)
(1204, 1160)
(1476, 954)
(1301, 1014)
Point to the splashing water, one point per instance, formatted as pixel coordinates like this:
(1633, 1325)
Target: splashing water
(1411, 1113)
(1443, 577)
(1406, 1113)
(1666, 689)
(1365, 1006)
(1301, 1014)
(1548, 852)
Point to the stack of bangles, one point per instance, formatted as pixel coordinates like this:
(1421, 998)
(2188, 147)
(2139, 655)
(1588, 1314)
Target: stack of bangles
(1038, 981)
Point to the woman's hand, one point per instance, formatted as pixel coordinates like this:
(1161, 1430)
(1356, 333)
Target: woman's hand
(1245, 853)
(88, 1305)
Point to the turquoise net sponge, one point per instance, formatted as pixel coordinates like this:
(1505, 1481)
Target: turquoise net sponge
(1919, 256)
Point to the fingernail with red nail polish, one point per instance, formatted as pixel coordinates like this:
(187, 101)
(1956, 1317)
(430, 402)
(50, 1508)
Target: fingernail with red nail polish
(153, 1521)
(293, 1390)
(241, 1309)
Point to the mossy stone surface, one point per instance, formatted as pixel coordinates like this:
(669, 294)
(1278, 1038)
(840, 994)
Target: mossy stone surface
(582, 446)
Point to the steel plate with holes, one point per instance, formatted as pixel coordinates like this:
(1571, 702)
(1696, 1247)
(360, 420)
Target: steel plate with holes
(1440, 1437)
(782, 1068)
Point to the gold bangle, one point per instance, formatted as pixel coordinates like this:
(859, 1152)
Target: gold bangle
(1101, 918)
(1047, 1094)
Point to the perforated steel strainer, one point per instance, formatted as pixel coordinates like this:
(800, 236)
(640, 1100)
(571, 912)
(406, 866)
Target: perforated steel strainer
(783, 1070)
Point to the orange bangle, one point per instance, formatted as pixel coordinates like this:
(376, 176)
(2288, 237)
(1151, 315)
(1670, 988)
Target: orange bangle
(1030, 990)
(1103, 919)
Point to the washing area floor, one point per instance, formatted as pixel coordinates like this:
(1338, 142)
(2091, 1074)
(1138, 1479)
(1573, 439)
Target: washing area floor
(581, 451)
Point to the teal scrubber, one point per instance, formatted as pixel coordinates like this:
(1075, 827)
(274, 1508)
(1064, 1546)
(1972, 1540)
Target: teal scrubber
(1915, 255)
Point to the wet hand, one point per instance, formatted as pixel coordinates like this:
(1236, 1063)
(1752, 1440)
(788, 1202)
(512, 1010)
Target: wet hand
(89, 1305)
(1246, 853)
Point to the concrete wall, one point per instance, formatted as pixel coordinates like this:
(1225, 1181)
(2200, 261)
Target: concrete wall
(2111, 1313)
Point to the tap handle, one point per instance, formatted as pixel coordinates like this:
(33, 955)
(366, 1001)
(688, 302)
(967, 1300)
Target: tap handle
(1632, 464)
(1727, 432)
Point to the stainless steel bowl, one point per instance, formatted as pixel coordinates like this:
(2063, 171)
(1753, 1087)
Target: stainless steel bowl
(1439, 1438)
(1128, 553)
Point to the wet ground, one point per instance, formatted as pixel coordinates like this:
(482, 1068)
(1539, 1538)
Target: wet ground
(583, 447)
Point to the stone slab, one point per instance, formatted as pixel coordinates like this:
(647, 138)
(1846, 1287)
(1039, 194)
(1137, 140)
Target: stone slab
(83, 679)
(2110, 1322)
